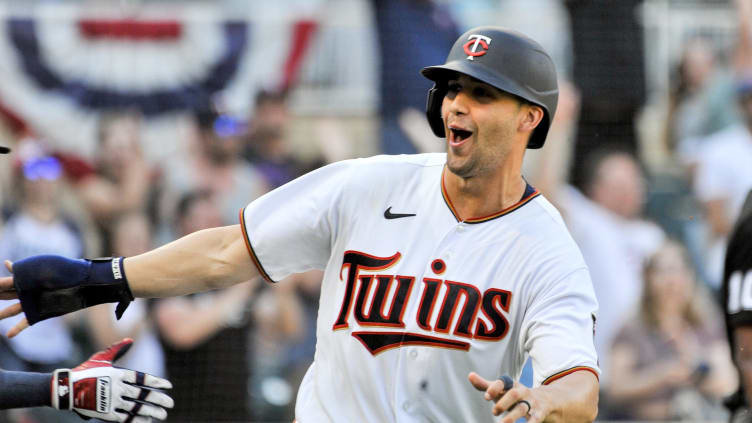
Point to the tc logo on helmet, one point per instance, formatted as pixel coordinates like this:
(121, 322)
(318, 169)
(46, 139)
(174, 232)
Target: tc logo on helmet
(471, 47)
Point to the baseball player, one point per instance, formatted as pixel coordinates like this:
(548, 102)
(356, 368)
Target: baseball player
(442, 272)
(737, 295)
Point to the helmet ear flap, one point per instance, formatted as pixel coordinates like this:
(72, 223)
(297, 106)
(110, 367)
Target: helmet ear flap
(433, 109)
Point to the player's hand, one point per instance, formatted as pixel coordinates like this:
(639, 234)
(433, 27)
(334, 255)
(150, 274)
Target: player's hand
(50, 286)
(515, 399)
(8, 292)
(96, 389)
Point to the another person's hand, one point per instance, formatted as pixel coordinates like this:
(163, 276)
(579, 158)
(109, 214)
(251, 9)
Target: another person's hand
(96, 389)
(515, 399)
(8, 292)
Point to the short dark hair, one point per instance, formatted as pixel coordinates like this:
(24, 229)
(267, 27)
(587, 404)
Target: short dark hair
(188, 199)
(270, 96)
(592, 163)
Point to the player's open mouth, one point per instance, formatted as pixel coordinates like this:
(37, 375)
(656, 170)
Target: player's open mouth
(457, 136)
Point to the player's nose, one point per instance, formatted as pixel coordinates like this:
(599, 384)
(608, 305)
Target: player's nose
(456, 105)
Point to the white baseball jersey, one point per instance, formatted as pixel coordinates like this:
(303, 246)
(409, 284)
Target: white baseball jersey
(414, 299)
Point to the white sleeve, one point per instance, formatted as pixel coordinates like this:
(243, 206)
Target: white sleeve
(292, 228)
(558, 329)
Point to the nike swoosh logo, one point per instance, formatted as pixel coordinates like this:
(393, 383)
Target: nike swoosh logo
(389, 215)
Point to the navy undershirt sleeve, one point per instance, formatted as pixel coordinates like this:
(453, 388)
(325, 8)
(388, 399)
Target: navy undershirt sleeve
(24, 389)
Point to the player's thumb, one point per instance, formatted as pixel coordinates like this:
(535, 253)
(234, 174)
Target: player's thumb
(478, 382)
(113, 352)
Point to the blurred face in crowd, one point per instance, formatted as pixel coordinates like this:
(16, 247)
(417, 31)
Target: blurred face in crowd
(697, 63)
(119, 140)
(203, 213)
(222, 140)
(669, 278)
(41, 180)
(131, 235)
(481, 124)
(271, 114)
(619, 185)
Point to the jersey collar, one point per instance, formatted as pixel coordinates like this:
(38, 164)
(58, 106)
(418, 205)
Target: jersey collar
(527, 196)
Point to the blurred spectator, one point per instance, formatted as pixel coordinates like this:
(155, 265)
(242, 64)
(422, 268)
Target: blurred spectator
(278, 326)
(205, 337)
(701, 101)
(701, 97)
(37, 226)
(412, 34)
(607, 225)
(302, 347)
(723, 177)
(214, 163)
(270, 113)
(266, 147)
(131, 235)
(671, 360)
(605, 219)
(120, 178)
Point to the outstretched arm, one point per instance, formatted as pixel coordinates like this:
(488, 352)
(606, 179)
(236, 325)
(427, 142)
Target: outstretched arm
(208, 259)
(24, 389)
(50, 286)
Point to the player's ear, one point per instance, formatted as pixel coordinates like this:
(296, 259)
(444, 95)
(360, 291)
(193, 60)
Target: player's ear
(530, 116)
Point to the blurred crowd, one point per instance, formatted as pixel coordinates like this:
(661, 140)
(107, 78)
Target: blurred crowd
(648, 187)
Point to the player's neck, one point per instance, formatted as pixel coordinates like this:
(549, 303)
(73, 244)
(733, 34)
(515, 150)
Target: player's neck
(484, 195)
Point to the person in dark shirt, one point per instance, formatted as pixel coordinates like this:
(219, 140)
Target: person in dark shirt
(737, 297)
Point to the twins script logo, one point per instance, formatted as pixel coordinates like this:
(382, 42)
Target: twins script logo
(373, 301)
(471, 47)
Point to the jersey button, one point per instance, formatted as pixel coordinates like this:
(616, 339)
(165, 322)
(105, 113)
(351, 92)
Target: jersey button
(406, 405)
(460, 228)
(413, 354)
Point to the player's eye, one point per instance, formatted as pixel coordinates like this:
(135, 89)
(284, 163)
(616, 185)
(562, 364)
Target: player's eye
(452, 89)
(481, 92)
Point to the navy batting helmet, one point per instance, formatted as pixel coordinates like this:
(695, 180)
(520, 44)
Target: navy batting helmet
(504, 59)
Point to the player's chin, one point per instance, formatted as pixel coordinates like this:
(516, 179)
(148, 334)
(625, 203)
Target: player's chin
(462, 167)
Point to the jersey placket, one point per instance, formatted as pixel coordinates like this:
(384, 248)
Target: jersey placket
(414, 380)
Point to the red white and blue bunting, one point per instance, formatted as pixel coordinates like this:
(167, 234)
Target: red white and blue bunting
(60, 66)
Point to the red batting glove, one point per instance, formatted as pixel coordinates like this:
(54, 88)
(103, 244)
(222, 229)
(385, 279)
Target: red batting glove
(96, 389)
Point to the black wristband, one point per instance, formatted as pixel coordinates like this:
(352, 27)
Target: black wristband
(50, 286)
(109, 268)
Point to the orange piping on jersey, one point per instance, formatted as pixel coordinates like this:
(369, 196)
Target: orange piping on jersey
(252, 253)
(560, 375)
(482, 219)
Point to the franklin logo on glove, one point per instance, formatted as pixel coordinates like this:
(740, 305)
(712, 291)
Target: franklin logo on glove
(103, 399)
